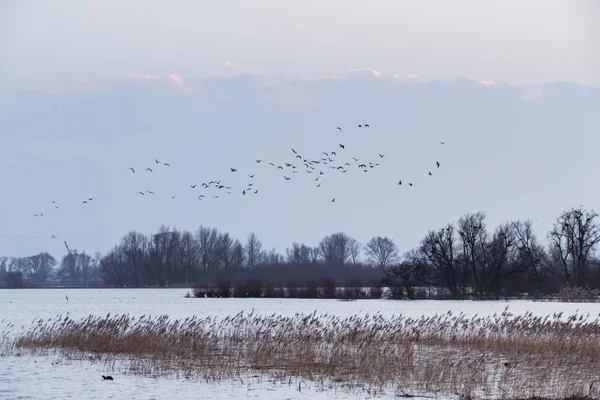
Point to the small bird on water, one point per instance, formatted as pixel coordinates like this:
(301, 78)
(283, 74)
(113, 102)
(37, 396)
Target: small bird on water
(107, 378)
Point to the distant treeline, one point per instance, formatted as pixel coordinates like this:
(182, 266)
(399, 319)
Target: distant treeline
(458, 260)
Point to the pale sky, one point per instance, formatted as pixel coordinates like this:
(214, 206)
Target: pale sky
(88, 89)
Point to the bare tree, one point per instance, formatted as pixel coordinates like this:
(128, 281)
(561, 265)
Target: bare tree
(573, 239)
(439, 249)
(299, 254)
(335, 248)
(40, 267)
(531, 254)
(254, 253)
(207, 240)
(382, 251)
(355, 248)
(473, 235)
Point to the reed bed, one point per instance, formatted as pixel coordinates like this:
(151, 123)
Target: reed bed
(500, 356)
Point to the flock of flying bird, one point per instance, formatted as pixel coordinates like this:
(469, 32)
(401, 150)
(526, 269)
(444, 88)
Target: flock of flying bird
(309, 165)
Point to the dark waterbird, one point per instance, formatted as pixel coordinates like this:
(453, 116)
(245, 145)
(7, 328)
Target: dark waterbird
(107, 378)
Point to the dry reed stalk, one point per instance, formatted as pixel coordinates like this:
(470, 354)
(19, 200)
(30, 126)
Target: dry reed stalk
(501, 356)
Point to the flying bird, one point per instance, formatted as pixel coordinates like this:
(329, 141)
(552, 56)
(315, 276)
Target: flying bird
(258, 161)
(149, 169)
(84, 202)
(381, 155)
(193, 186)
(233, 169)
(437, 163)
(132, 170)
(333, 200)
(339, 128)
(156, 161)
(342, 146)
(410, 184)
(286, 178)
(366, 125)
(251, 176)
(150, 191)
(399, 182)
(442, 143)
(167, 164)
(142, 193)
(430, 174)
(294, 151)
(360, 126)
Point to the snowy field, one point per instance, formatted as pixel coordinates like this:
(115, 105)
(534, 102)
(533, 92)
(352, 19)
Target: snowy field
(30, 377)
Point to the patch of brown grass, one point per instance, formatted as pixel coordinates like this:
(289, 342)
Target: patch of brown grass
(501, 356)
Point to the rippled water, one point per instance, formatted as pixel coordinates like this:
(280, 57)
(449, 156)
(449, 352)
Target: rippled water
(48, 377)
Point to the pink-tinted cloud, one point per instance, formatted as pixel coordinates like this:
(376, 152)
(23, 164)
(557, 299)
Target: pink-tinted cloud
(228, 64)
(140, 76)
(412, 76)
(371, 70)
(176, 78)
(487, 83)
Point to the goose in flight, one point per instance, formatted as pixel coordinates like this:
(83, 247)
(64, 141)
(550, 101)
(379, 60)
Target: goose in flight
(410, 184)
(360, 126)
(342, 146)
(132, 170)
(156, 161)
(294, 151)
(142, 193)
(286, 178)
(258, 161)
(149, 169)
(256, 191)
(150, 191)
(437, 163)
(233, 169)
(339, 128)
(430, 174)
(442, 143)
(366, 125)
(251, 176)
(333, 200)
(84, 202)
(167, 164)
(399, 182)
(193, 186)
(381, 155)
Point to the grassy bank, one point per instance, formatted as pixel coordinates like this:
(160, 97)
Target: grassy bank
(502, 356)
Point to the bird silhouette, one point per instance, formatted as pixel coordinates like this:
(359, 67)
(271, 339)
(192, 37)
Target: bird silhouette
(399, 182)
(84, 202)
(333, 200)
(258, 161)
(107, 378)
(132, 170)
(193, 186)
(286, 178)
(294, 151)
(150, 191)
(381, 155)
(437, 163)
(366, 125)
(360, 126)
(339, 128)
(142, 193)
(167, 164)
(256, 191)
(233, 169)
(156, 161)
(342, 146)
(149, 169)
(410, 184)
(430, 174)
(442, 143)
(251, 176)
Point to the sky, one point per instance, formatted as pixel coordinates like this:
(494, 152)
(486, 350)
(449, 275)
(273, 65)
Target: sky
(89, 89)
